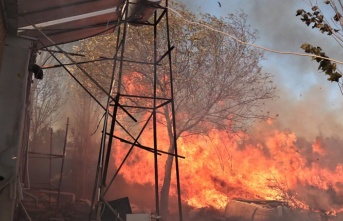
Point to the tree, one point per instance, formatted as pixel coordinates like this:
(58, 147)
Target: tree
(327, 24)
(218, 82)
(84, 142)
(47, 101)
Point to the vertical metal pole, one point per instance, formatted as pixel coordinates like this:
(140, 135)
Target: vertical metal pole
(51, 131)
(62, 166)
(173, 117)
(25, 149)
(155, 118)
(100, 165)
(115, 109)
(98, 176)
(103, 163)
(99, 173)
(110, 140)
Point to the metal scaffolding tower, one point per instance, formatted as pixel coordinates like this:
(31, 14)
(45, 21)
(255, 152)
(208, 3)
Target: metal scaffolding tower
(154, 14)
(133, 13)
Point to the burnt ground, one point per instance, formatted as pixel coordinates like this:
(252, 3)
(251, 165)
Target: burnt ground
(42, 207)
(77, 211)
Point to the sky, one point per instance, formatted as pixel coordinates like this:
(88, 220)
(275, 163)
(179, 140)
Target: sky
(305, 98)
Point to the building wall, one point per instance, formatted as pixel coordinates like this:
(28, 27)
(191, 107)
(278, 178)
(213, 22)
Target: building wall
(2, 34)
(14, 78)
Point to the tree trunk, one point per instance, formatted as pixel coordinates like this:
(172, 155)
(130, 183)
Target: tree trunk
(164, 201)
(166, 186)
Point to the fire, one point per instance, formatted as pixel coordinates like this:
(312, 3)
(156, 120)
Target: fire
(266, 163)
(317, 148)
(238, 169)
(222, 166)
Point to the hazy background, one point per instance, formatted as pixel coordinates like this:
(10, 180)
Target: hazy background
(307, 103)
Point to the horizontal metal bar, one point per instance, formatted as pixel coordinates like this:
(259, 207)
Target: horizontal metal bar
(129, 142)
(147, 108)
(70, 53)
(96, 60)
(138, 107)
(144, 97)
(145, 147)
(46, 154)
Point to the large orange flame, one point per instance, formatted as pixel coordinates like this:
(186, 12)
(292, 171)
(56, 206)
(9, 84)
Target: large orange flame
(266, 163)
(221, 166)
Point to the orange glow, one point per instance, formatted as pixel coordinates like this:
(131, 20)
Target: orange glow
(317, 148)
(266, 163)
(223, 166)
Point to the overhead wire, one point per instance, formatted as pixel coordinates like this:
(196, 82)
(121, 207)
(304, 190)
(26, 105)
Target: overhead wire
(247, 43)
(340, 85)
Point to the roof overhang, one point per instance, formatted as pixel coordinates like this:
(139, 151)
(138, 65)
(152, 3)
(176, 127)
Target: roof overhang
(62, 21)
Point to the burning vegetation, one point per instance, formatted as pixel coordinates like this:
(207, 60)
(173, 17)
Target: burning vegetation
(263, 174)
(265, 165)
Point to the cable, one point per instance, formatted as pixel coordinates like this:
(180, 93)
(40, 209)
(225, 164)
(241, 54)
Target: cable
(97, 127)
(250, 44)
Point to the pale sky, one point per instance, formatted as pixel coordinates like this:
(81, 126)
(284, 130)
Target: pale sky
(299, 82)
(279, 29)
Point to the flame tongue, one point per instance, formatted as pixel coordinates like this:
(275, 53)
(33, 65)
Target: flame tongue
(269, 165)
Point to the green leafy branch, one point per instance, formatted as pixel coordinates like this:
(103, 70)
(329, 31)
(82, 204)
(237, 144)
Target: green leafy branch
(325, 65)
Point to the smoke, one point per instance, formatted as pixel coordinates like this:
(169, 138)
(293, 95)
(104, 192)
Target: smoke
(308, 114)
(321, 200)
(306, 105)
(280, 29)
